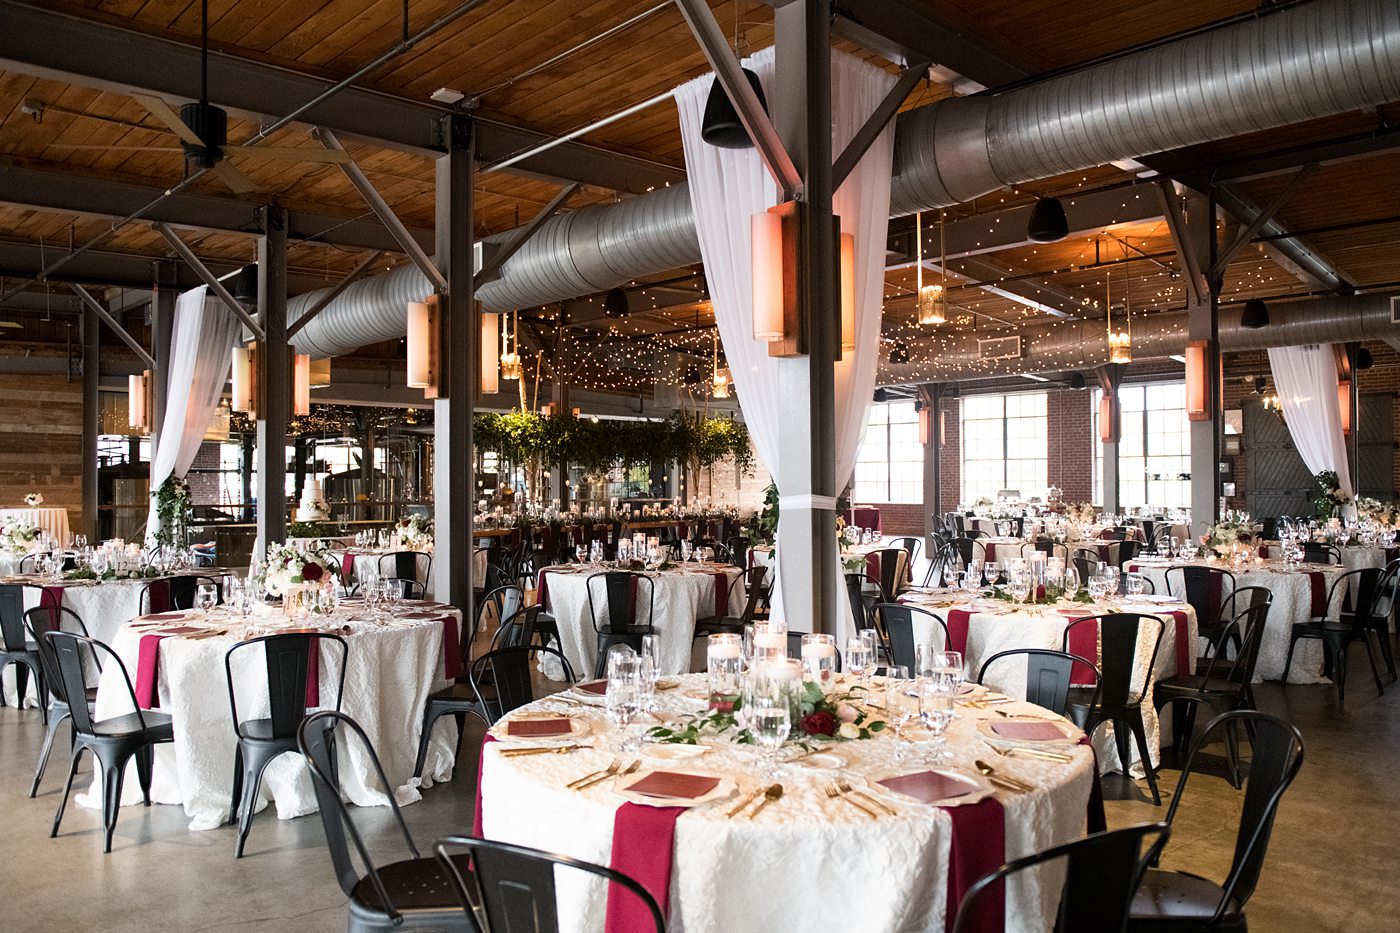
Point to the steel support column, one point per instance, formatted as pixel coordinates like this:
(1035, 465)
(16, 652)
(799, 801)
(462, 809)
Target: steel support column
(806, 476)
(163, 295)
(92, 413)
(274, 380)
(454, 460)
(1198, 247)
(932, 397)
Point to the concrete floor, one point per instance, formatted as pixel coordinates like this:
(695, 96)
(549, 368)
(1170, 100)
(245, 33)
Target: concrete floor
(1330, 867)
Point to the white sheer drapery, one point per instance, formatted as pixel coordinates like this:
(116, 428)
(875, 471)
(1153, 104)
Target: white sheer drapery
(1306, 378)
(200, 358)
(727, 186)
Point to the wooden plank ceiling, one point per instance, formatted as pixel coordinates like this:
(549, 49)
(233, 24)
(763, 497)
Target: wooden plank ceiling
(491, 53)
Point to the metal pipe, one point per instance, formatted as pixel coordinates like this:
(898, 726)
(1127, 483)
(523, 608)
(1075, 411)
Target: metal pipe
(575, 134)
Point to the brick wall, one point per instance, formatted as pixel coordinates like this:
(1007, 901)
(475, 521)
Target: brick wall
(204, 487)
(1070, 443)
(737, 487)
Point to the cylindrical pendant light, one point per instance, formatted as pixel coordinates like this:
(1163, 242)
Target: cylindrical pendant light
(1344, 404)
(490, 353)
(767, 260)
(1197, 383)
(419, 345)
(931, 299)
(241, 382)
(136, 400)
(848, 293)
(301, 384)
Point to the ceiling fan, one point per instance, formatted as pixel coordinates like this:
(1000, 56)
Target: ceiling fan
(203, 132)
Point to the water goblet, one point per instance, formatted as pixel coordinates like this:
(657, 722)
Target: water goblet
(1134, 585)
(625, 692)
(206, 596)
(860, 660)
(901, 704)
(819, 657)
(651, 666)
(769, 718)
(937, 707)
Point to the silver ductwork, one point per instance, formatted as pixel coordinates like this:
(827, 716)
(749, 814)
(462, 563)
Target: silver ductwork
(1304, 63)
(1076, 345)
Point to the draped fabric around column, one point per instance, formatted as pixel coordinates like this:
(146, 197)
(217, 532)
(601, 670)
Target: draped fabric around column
(200, 359)
(1306, 378)
(727, 186)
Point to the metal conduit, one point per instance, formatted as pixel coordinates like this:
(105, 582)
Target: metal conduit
(1070, 345)
(1304, 63)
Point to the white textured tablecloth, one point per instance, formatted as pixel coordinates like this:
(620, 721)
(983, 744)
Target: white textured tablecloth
(1292, 592)
(390, 672)
(54, 521)
(807, 862)
(682, 596)
(994, 627)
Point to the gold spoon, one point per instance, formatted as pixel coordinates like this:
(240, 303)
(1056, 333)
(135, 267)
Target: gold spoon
(773, 792)
(1001, 780)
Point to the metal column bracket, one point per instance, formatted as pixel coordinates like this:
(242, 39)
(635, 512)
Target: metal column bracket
(1176, 223)
(111, 322)
(383, 211)
(731, 77)
(1259, 221)
(876, 123)
(354, 275)
(493, 265)
(210, 279)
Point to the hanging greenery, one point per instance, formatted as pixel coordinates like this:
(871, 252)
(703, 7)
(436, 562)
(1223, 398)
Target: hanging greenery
(172, 510)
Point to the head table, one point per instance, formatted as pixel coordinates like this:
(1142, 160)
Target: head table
(806, 861)
(981, 627)
(684, 593)
(394, 661)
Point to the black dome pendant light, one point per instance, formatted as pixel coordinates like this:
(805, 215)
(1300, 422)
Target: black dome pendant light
(1255, 314)
(721, 126)
(1048, 223)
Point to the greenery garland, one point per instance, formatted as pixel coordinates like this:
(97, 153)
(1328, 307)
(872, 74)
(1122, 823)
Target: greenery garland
(172, 510)
(598, 446)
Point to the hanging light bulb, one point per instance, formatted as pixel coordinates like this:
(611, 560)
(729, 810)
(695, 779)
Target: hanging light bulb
(932, 299)
(510, 358)
(1120, 343)
(720, 381)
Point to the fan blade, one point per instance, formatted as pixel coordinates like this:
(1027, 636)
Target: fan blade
(118, 148)
(289, 154)
(236, 180)
(163, 112)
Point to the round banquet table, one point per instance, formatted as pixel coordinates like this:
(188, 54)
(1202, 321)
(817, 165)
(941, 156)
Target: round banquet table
(683, 594)
(1299, 595)
(393, 663)
(980, 628)
(54, 521)
(807, 862)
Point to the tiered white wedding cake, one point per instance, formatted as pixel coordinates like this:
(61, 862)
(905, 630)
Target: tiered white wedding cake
(313, 507)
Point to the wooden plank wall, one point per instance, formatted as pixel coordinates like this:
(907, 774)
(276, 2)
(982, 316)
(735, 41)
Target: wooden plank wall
(41, 437)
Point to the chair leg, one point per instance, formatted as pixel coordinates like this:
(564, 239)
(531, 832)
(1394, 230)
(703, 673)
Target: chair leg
(1369, 637)
(1232, 752)
(67, 789)
(1382, 637)
(1288, 662)
(237, 783)
(1338, 651)
(145, 758)
(430, 718)
(49, 733)
(112, 779)
(254, 764)
(1140, 733)
(1120, 738)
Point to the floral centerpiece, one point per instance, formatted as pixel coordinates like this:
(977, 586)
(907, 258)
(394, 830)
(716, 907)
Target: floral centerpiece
(823, 717)
(34, 500)
(1382, 513)
(1331, 498)
(1227, 535)
(18, 537)
(290, 565)
(416, 532)
(1080, 511)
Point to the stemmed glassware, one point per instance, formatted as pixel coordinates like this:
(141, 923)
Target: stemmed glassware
(1134, 585)
(938, 694)
(902, 704)
(860, 659)
(206, 596)
(626, 692)
(769, 717)
(651, 667)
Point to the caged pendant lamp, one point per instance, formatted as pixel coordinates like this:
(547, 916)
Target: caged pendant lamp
(721, 126)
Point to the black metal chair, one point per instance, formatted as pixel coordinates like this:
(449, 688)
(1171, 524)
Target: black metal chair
(287, 663)
(180, 590)
(513, 888)
(52, 696)
(409, 589)
(893, 566)
(864, 592)
(518, 629)
(909, 545)
(1363, 588)
(1102, 873)
(1181, 902)
(621, 591)
(1316, 552)
(710, 625)
(1148, 587)
(498, 682)
(941, 557)
(739, 552)
(1049, 547)
(1048, 675)
(155, 596)
(406, 565)
(495, 610)
(1086, 563)
(1267, 529)
(15, 649)
(1206, 589)
(113, 741)
(895, 622)
(1115, 700)
(411, 894)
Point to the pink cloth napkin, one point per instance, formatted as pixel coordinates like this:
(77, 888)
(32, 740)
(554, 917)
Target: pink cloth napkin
(540, 727)
(1028, 731)
(958, 621)
(978, 847)
(928, 786)
(644, 849)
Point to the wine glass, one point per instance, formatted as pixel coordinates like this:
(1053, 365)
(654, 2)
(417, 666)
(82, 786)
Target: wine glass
(901, 703)
(1096, 588)
(937, 707)
(769, 719)
(625, 692)
(206, 596)
(993, 572)
(1134, 585)
(1020, 587)
(686, 549)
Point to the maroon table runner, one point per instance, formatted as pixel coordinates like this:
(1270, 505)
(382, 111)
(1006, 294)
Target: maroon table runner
(721, 594)
(989, 552)
(957, 622)
(643, 848)
(1084, 642)
(542, 588)
(1185, 651)
(1318, 581)
(977, 848)
(451, 649)
(147, 670)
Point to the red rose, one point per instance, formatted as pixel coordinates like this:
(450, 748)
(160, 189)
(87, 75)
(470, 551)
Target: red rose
(311, 572)
(818, 723)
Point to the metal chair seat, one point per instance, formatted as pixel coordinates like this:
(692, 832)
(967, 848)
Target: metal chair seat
(1178, 901)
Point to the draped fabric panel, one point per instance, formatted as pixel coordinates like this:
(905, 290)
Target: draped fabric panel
(1306, 378)
(200, 359)
(727, 186)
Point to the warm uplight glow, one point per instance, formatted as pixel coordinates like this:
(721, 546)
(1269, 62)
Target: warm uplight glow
(1197, 386)
(933, 305)
(321, 373)
(1344, 404)
(848, 293)
(720, 387)
(301, 384)
(1106, 419)
(767, 260)
(490, 353)
(925, 421)
(241, 382)
(420, 363)
(136, 399)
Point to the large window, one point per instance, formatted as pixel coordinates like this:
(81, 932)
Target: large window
(1003, 445)
(1154, 452)
(890, 462)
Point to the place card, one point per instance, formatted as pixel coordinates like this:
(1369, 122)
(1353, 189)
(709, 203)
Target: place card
(540, 728)
(928, 786)
(596, 687)
(1029, 731)
(675, 785)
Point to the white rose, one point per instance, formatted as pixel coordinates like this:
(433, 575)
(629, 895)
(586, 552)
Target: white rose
(848, 730)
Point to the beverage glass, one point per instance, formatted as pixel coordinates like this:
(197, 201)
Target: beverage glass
(901, 704)
(724, 665)
(206, 596)
(819, 657)
(937, 707)
(625, 696)
(860, 660)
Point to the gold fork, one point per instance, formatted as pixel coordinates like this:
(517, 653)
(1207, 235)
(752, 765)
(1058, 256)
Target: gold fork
(834, 793)
(846, 788)
(594, 776)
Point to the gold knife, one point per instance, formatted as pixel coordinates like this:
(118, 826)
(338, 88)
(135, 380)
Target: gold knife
(541, 750)
(747, 800)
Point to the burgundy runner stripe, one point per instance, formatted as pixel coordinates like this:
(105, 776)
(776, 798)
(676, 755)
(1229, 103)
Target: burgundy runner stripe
(977, 848)
(347, 566)
(958, 621)
(872, 565)
(644, 848)
(721, 595)
(451, 649)
(1098, 821)
(148, 670)
(1263, 552)
(1083, 641)
(159, 591)
(989, 552)
(542, 588)
(1185, 655)
(480, 767)
(1319, 593)
(313, 673)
